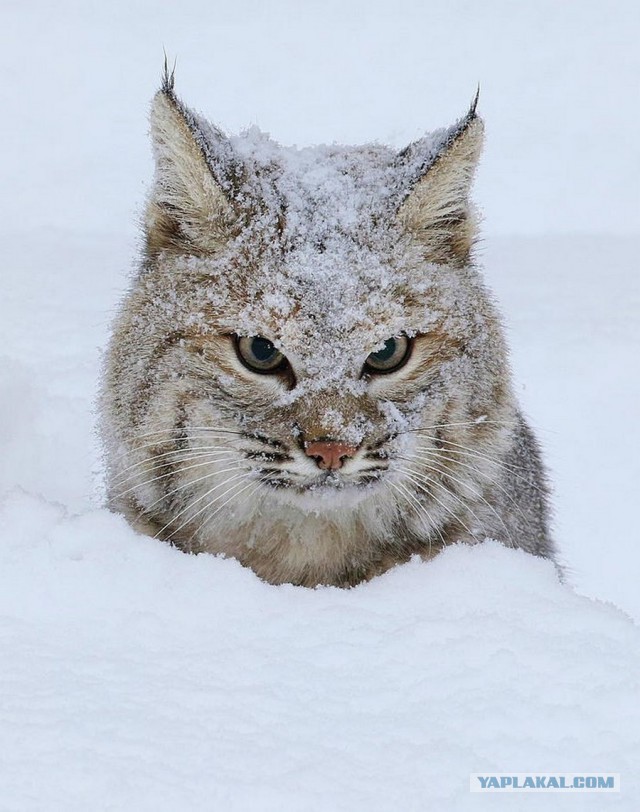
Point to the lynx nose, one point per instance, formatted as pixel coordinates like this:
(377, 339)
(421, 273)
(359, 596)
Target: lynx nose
(329, 455)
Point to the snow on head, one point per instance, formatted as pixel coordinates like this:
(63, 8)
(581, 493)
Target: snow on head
(323, 265)
(328, 284)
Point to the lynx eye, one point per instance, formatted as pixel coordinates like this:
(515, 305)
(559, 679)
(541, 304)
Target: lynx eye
(259, 354)
(392, 356)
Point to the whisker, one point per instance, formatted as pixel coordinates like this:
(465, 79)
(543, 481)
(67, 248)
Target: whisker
(461, 423)
(490, 458)
(171, 440)
(469, 453)
(474, 469)
(186, 485)
(423, 509)
(477, 495)
(210, 456)
(207, 519)
(408, 501)
(433, 481)
(435, 498)
(151, 460)
(243, 475)
(388, 485)
(180, 487)
(183, 429)
(210, 434)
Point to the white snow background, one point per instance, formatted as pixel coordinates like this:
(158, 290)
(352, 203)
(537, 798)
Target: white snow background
(133, 677)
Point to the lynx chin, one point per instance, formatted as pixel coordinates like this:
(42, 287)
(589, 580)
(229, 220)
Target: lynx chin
(308, 373)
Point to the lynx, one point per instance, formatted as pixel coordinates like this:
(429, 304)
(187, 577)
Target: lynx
(308, 373)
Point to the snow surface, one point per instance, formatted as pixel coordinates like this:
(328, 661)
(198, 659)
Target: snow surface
(139, 678)
(134, 677)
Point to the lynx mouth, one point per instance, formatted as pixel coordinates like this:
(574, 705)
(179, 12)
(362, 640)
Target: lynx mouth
(326, 483)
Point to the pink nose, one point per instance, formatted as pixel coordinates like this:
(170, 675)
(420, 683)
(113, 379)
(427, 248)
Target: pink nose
(328, 455)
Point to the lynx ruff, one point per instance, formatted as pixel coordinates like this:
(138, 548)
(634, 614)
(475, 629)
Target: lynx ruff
(308, 373)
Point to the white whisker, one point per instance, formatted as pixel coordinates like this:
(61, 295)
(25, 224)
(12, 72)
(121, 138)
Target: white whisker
(185, 485)
(446, 508)
(489, 458)
(185, 429)
(181, 455)
(445, 460)
(476, 494)
(207, 519)
(160, 443)
(469, 453)
(423, 509)
(461, 423)
(179, 470)
(188, 507)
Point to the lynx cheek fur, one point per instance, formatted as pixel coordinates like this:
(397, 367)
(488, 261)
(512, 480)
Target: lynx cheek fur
(308, 373)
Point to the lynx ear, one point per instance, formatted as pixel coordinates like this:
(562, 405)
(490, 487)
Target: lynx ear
(190, 206)
(437, 209)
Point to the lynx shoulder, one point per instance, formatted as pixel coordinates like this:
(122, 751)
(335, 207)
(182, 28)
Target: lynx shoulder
(308, 373)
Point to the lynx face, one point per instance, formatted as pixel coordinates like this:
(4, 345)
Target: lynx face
(307, 373)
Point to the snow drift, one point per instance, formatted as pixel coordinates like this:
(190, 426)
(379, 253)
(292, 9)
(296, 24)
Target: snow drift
(135, 677)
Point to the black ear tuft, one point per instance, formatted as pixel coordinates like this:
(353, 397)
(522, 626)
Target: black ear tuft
(168, 78)
(474, 104)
